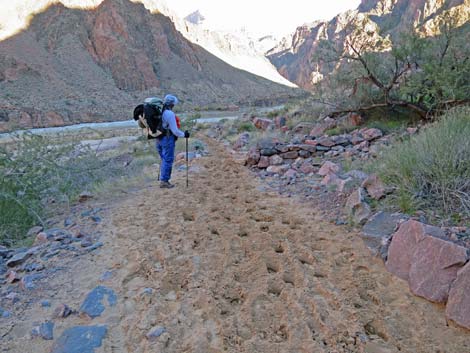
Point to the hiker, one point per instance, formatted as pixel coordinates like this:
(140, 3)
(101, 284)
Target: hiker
(166, 143)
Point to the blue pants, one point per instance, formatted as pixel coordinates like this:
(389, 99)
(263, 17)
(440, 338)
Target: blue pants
(166, 150)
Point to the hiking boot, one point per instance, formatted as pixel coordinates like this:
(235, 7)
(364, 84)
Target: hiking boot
(166, 185)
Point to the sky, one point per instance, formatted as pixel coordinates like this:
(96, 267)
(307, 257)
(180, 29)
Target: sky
(263, 16)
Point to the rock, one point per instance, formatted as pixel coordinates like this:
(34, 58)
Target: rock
(253, 157)
(13, 276)
(262, 123)
(277, 169)
(374, 187)
(319, 129)
(372, 134)
(32, 267)
(354, 119)
(345, 185)
(93, 304)
(404, 244)
(329, 168)
(304, 154)
(94, 246)
(280, 121)
(80, 339)
(58, 234)
(356, 174)
(62, 311)
(307, 168)
(34, 231)
(326, 142)
(291, 173)
(378, 231)
(303, 128)
(155, 332)
(412, 130)
(96, 219)
(434, 268)
(330, 180)
(4, 252)
(357, 139)
(282, 148)
(357, 208)
(27, 282)
(341, 141)
(68, 222)
(46, 304)
(290, 155)
(86, 242)
(308, 148)
(84, 196)
(322, 149)
(276, 160)
(45, 331)
(311, 143)
(242, 141)
(19, 258)
(458, 304)
(263, 162)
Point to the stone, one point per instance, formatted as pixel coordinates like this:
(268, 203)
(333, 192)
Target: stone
(96, 219)
(356, 174)
(268, 152)
(85, 196)
(329, 168)
(95, 246)
(290, 155)
(319, 129)
(345, 185)
(62, 311)
(372, 134)
(19, 258)
(253, 157)
(311, 143)
(341, 140)
(458, 304)
(357, 139)
(155, 332)
(404, 244)
(4, 314)
(304, 154)
(322, 149)
(13, 276)
(80, 339)
(326, 142)
(263, 162)
(262, 123)
(291, 173)
(4, 252)
(434, 268)
(242, 141)
(27, 282)
(303, 128)
(45, 331)
(277, 169)
(354, 119)
(308, 148)
(280, 121)
(307, 168)
(357, 208)
(282, 148)
(412, 130)
(378, 231)
(34, 231)
(86, 242)
(330, 180)
(46, 304)
(374, 187)
(93, 304)
(58, 234)
(276, 160)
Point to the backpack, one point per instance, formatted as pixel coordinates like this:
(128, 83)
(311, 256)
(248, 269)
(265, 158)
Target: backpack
(149, 117)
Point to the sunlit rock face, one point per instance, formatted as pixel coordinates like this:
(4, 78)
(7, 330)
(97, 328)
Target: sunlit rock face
(379, 19)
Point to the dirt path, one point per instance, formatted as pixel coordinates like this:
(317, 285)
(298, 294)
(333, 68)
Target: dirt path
(225, 267)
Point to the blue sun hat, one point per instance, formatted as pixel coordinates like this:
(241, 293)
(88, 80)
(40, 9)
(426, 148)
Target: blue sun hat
(170, 100)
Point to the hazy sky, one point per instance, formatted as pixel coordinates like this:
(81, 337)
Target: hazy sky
(263, 16)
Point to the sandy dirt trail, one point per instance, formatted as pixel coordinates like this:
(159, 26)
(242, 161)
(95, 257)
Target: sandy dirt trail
(225, 267)
(234, 269)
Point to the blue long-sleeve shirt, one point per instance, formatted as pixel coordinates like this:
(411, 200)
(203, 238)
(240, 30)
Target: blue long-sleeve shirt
(169, 122)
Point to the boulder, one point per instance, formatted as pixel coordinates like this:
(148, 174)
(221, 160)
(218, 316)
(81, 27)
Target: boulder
(404, 244)
(372, 134)
(277, 169)
(378, 231)
(357, 208)
(253, 157)
(268, 152)
(19, 258)
(280, 121)
(374, 187)
(263, 162)
(290, 155)
(282, 148)
(326, 141)
(329, 168)
(275, 160)
(458, 304)
(93, 304)
(434, 268)
(262, 123)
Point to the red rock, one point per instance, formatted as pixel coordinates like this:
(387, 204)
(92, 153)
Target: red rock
(311, 142)
(291, 173)
(285, 129)
(277, 169)
(275, 160)
(263, 162)
(356, 207)
(357, 139)
(364, 146)
(404, 244)
(372, 134)
(253, 157)
(319, 129)
(12, 276)
(458, 304)
(41, 238)
(355, 119)
(262, 123)
(330, 179)
(374, 186)
(434, 268)
(329, 168)
(344, 184)
(280, 121)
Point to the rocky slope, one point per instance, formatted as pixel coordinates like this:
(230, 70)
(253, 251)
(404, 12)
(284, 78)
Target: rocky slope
(293, 56)
(75, 65)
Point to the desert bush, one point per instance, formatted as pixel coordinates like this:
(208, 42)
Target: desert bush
(432, 169)
(37, 177)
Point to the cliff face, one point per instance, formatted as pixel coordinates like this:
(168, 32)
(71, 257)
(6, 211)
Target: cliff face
(74, 65)
(379, 18)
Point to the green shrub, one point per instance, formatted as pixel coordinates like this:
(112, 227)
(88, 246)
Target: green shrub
(39, 176)
(246, 126)
(432, 169)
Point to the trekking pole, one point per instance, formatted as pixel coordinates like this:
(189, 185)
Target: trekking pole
(187, 163)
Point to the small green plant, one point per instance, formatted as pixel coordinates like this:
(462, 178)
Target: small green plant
(246, 126)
